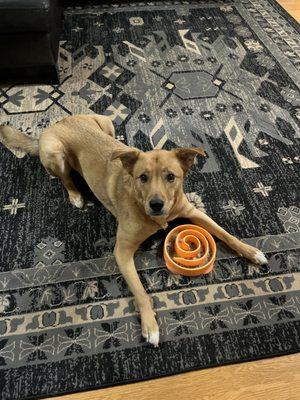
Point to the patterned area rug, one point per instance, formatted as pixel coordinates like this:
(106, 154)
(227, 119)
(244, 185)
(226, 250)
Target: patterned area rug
(222, 75)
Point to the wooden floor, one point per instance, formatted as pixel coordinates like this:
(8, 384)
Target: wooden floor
(292, 7)
(276, 378)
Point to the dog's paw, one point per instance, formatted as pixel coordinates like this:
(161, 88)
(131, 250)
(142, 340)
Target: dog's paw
(252, 253)
(150, 332)
(260, 258)
(77, 201)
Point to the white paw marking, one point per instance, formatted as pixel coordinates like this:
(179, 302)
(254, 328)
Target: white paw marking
(77, 202)
(152, 338)
(260, 258)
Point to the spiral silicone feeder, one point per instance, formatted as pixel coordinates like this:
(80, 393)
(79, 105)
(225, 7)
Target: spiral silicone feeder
(189, 250)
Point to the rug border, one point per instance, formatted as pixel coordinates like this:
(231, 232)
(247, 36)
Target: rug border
(166, 375)
(278, 7)
(243, 335)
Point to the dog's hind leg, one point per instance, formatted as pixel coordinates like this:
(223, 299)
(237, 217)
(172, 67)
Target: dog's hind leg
(75, 196)
(54, 161)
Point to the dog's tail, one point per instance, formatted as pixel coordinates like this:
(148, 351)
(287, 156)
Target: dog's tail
(12, 138)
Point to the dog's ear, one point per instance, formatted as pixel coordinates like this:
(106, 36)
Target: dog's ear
(187, 155)
(128, 158)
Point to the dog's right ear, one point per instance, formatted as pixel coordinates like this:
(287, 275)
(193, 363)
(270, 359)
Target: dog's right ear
(128, 158)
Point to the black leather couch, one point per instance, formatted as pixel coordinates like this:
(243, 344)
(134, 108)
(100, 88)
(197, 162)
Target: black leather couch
(29, 40)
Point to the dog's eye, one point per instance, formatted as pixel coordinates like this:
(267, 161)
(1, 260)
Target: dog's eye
(144, 178)
(170, 177)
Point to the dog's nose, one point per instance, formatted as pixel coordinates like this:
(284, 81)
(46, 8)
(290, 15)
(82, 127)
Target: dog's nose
(156, 204)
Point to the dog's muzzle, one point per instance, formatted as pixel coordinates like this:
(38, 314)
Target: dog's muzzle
(156, 206)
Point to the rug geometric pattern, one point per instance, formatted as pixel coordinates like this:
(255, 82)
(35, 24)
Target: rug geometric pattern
(220, 75)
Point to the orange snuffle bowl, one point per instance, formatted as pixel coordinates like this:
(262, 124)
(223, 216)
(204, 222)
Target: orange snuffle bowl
(189, 250)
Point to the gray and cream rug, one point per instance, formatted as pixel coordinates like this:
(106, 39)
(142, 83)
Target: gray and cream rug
(224, 75)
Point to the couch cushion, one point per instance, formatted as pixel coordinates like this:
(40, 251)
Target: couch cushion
(27, 50)
(27, 15)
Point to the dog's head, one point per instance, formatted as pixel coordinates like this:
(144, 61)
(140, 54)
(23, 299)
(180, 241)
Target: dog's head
(157, 175)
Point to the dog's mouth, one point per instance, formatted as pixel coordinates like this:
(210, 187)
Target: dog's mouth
(157, 213)
(153, 213)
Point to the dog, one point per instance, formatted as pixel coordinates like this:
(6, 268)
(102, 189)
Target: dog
(143, 190)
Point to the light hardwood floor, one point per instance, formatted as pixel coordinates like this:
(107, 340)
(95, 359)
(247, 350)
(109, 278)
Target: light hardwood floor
(274, 379)
(292, 7)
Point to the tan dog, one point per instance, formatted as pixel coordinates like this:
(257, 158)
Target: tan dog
(142, 190)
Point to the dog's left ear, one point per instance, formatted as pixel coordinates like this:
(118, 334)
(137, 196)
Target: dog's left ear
(128, 158)
(187, 155)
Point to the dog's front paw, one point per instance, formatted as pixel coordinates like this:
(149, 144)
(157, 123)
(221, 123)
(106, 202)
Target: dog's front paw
(150, 330)
(254, 255)
(260, 258)
(77, 200)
